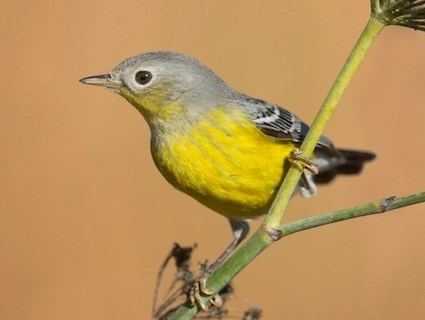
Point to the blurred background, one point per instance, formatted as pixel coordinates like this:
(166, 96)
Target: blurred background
(85, 217)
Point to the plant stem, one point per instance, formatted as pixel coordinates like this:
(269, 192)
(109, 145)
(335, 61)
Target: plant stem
(184, 312)
(260, 241)
(372, 29)
(356, 212)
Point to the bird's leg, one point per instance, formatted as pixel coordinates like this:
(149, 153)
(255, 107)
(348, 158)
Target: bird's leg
(299, 160)
(240, 229)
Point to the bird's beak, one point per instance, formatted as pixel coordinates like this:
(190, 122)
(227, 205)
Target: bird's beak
(104, 80)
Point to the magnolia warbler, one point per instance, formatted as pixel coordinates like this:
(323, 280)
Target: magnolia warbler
(224, 148)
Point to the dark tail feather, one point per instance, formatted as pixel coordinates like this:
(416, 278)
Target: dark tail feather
(352, 163)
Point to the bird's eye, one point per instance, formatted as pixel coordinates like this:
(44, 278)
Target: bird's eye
(143, 77)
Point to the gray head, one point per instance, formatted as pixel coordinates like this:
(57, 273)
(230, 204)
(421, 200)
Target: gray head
(164, 85)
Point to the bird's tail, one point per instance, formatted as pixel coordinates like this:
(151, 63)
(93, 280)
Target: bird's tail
(352, 163)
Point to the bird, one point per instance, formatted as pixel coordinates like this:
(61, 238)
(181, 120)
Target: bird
(224, 148)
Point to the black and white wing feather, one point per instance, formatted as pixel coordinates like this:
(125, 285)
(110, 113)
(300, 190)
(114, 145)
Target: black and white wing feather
(279, 123)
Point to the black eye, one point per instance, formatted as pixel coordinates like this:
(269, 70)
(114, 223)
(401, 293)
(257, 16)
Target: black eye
(143, 77)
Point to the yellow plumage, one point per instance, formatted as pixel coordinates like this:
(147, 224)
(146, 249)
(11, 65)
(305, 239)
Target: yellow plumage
(222, 147)
(225, 162)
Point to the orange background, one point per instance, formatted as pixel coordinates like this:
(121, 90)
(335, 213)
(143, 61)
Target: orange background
(85, 218)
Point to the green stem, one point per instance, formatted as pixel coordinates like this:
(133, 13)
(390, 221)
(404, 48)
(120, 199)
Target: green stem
(356, 212)
(184, 312)
(261, 239)
(372, 29)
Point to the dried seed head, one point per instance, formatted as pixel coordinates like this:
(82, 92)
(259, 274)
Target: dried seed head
(406, 13)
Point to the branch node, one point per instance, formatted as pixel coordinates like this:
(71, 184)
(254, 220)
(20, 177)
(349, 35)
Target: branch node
(385, 204)
(274, 234)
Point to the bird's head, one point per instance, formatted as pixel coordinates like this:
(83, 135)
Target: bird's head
(164, 86)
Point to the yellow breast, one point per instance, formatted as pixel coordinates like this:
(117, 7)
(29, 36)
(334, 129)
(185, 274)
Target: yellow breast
(225, 162)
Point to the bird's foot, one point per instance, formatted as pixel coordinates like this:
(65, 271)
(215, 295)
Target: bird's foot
(301, 162)
(196, 295)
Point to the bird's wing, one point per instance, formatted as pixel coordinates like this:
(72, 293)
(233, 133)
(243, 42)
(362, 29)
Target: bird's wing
(279, 123)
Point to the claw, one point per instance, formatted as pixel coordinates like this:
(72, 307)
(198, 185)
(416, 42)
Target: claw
(216, 300)
(203, 286)
(301, 162)
(196, 298)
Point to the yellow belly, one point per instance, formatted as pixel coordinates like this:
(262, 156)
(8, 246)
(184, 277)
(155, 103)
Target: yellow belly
(226, 163)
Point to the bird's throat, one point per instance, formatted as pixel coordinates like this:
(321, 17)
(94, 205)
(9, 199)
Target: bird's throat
(155, 106)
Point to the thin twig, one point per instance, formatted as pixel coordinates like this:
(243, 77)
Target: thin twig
(182, 256)
(158, 281)
(381, 206)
